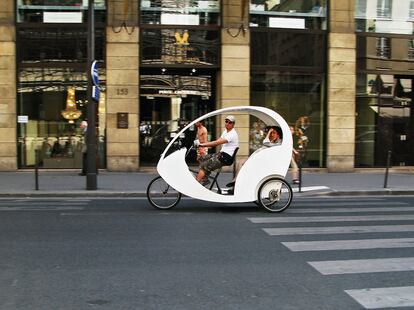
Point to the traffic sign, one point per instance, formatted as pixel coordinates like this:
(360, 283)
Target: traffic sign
(95, 93)
(94, 73)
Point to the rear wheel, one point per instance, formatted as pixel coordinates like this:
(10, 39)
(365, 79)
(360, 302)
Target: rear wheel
(161, 195)
(274, 195)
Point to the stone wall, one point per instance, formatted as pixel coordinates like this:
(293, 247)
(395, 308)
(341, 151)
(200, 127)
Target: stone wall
(8, 149)
(234, 78)
(122, 71)
(341, 87)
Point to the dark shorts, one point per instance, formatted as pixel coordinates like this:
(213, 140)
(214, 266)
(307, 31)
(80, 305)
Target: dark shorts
(210, 162)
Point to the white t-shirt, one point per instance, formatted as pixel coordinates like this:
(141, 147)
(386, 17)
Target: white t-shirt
(233, 141)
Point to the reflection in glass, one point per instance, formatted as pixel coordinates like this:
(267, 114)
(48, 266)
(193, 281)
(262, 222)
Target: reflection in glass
(384, 120)
(288, 49)
(299, 99)
(303, 14)
(384, 16)
(64, 11)
(168, 103)
(383, 47)
(180, 12)
(180, 46)
(51, 45)
(384, 9)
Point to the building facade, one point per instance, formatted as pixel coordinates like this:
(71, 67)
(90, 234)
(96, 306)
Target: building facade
(340, 72)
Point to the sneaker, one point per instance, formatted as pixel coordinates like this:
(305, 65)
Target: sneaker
(295, 182)
(231, 184)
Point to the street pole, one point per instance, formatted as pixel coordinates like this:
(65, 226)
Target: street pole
(91, 172)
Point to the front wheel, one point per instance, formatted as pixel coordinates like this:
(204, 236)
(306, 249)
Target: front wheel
(275, 195)
(161, 195)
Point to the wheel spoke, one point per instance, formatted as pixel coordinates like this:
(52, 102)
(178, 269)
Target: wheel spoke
(161, 195)
(275, 195)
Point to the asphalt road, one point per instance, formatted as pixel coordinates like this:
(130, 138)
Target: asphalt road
(326, 253)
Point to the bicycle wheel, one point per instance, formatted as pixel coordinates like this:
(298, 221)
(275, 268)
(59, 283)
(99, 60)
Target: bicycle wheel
(161, 195)
(275, 195)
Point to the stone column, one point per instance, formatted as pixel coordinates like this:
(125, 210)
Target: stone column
(8, 153)
(341, 87)
(233, 85)
(122, 72)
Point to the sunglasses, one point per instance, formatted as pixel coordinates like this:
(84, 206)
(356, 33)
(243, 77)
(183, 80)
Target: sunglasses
(227, 121)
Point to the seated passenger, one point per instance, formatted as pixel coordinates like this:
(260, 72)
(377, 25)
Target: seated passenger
(274, 137)
(210, 162)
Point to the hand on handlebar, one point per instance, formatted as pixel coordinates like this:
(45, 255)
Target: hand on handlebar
(196, 143)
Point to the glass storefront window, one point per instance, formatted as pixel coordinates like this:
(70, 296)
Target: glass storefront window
(168, 103)
(384, 16)
(299, 99)
(288, 49)
(302, 14)
(180, 12)
(57, 44)
(288, 76)
(180, 46)
(42, 97)
(384, 120)
(385, 53)
(57, 11)
(51, 72)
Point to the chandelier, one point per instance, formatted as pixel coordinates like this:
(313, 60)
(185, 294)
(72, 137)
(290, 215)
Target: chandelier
(71, 113)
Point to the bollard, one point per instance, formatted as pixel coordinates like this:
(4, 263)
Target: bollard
(387, 168)
(300, 171)
(37, 170)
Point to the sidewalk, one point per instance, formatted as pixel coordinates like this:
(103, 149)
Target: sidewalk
(133, 184)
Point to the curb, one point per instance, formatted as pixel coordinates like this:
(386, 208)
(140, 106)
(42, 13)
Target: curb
(105, 194)
(384, 192)
(73, 194)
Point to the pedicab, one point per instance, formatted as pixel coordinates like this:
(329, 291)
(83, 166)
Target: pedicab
(260, 180)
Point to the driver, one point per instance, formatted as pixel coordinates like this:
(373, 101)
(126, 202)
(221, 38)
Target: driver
(210, 162)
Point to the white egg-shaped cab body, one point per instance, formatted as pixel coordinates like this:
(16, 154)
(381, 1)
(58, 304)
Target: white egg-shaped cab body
(261, 165)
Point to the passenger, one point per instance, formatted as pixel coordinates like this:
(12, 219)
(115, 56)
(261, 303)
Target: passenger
(274, 137)
(210, 162)
(202, 138)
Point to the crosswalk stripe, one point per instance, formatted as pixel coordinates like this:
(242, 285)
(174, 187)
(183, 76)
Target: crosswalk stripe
(309, 188)
(307, 219)
(386, 297)
(346, 203)
(336, 267)
(329, 245)
(338, 230)
(45, 208)
(351, 210)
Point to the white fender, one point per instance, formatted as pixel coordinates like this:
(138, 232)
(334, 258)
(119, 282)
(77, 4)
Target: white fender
(262, 164)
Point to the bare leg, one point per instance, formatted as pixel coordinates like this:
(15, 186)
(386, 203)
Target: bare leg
(200, 175)
(294, 166)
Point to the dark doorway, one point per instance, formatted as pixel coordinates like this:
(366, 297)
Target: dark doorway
(385, 122)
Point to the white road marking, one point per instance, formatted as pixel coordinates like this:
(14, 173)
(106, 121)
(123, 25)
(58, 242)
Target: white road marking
(336, 267)
(351, 210)
(338, 230)
(307, 219)
(45, 208)
(329, 245)
(386, 297)
(309, 188)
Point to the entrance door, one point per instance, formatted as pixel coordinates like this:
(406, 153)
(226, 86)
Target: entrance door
(403, 122)
(385, 122)
(168, 102)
